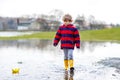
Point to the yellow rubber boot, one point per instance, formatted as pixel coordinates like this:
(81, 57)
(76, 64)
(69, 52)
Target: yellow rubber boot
(71, 63)
(66, 64)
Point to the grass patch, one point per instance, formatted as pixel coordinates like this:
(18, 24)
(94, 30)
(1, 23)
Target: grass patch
(39, 35)
(91, 35)
(104, 34)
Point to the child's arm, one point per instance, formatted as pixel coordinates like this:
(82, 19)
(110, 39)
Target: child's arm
(57, 37)
(77, 38)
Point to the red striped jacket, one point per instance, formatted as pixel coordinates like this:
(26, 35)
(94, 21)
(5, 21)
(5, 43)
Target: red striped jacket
(69, 37)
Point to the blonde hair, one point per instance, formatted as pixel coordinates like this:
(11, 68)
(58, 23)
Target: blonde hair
(67, 17)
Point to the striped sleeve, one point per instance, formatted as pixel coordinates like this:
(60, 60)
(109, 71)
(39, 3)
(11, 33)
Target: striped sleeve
(57, 37)
(77, 38)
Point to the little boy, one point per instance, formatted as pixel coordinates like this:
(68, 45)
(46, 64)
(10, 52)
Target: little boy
(69, 36)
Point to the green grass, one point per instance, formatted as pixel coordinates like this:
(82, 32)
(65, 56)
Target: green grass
(104, 34)
(39, 35)
(91, 35)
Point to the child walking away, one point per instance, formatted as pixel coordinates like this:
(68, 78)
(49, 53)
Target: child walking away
(69, 37)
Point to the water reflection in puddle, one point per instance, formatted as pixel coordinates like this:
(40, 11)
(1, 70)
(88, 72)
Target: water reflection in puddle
(39, 60)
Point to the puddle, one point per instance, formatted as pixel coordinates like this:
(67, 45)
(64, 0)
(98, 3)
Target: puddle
(10, 34)
(39, 60)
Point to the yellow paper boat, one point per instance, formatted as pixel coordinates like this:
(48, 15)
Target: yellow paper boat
(15, 70)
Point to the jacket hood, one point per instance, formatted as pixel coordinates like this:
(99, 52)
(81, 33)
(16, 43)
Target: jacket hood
(69, 25)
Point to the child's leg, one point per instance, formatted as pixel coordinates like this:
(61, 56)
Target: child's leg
(65, 54)
(70, 54)
(70, 57)
(65, 59)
